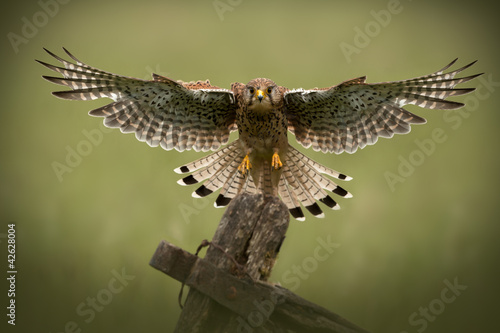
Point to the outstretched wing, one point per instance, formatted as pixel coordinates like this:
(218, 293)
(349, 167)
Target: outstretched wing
(172, 114)
(354, 113)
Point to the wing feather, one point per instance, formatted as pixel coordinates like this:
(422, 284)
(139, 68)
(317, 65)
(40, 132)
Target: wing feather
(162, 112)
(354, 113)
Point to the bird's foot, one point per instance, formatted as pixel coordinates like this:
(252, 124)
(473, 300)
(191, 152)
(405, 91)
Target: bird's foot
(276, 162)
(245, 165)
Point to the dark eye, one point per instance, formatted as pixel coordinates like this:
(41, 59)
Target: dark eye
(251, 90)
(269, 90)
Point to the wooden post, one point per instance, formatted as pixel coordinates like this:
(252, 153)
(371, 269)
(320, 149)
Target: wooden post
(223, 297)
(251, 231)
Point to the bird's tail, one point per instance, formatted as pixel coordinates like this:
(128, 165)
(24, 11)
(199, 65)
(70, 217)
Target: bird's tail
(220, 170)
(302, 181)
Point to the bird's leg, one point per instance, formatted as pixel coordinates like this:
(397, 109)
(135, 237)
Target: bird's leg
(245, 164)
(276, 162)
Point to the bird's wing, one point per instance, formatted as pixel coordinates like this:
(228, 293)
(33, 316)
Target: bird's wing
(354, 113)
(172, 114)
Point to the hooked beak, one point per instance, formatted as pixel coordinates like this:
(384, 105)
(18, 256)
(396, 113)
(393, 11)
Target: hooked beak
(260, 95)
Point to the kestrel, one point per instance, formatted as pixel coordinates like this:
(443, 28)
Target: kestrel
(197, 115)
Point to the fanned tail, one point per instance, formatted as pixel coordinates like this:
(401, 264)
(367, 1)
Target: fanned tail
(215, 168)
(219, 170)
(302, 181)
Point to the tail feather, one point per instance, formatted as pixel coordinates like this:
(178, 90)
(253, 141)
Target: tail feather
(318, 167)
(290, 199)
(249, 185)
(302, 187)
(218, 171)
(314, 170)
(265, 184)
(207, 160)
(303, 182)
(241, 183)
(233, 185)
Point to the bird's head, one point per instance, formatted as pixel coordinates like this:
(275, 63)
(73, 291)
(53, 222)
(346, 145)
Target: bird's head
(262, 95)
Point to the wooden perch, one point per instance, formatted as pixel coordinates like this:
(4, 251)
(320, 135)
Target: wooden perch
(222, 297)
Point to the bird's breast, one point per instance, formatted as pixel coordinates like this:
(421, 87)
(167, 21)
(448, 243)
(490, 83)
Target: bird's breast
(262, 132)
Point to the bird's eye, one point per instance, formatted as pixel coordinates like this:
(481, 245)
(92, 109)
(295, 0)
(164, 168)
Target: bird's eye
(251, 90)
(269, 90)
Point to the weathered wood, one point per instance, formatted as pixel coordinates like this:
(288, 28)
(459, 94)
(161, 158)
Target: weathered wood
(252, 228)
(222, 298)
(251, 231)
(256, 305)
(236, 294)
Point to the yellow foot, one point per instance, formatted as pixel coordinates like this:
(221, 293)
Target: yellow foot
(245, 165)
(276, 162)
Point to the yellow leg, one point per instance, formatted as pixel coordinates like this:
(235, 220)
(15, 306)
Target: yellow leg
(245, 165)
(276, 162)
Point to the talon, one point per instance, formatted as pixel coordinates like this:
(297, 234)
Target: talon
(276, 162)
(245, 165)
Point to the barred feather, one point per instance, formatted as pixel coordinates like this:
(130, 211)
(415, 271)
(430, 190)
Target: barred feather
(207, 160)
(315, 170)
(234, 185)
(290, 199)
(197, 115)
(354, 114)
(216, 168)
(301, 182)
(161, 112)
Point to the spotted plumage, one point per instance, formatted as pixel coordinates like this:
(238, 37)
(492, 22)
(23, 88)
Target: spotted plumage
(197, 115)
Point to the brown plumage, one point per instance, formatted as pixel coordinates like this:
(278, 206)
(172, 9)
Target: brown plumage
(200, 116)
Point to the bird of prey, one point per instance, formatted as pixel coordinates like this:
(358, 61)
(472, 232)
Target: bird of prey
(197, 115)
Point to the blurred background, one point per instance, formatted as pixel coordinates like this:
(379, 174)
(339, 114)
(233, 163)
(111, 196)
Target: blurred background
(416, 248)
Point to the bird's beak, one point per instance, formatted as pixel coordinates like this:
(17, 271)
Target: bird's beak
(260, 95)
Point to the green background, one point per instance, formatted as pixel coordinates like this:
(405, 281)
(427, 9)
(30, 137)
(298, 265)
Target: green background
(396, 244)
